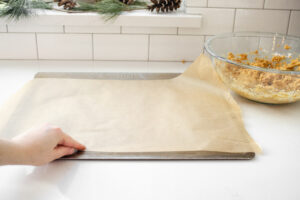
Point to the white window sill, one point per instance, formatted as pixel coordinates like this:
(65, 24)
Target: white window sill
(140, 18)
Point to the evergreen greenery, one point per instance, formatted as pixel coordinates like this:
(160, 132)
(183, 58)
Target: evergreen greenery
(15, 9)
(110, 8)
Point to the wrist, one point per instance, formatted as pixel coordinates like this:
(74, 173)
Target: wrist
(12, 153)
(21, 156)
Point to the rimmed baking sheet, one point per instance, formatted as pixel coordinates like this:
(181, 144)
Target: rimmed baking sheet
(182, 155)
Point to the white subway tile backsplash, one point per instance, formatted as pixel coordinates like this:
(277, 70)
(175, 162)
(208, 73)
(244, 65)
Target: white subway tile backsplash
(18, 46)
(215, 20)
(3, 28)
(294, 27)
(261, 20)
(196, 3)
(120, 47)
(35, 28)
(283, 4)
(92, 29)
(175, 48)
(147, 37)
(236, 3)
(150, 30)
(65, 46)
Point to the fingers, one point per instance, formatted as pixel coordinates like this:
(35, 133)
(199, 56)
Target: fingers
(61, 151)
(64, 139)
(70, 142)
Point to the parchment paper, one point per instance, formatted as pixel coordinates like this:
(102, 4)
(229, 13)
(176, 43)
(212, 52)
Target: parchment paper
(193, 112)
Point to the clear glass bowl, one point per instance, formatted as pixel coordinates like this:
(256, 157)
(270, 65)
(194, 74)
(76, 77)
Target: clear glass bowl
(256, 83)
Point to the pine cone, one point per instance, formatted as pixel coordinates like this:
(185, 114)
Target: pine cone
(128, 2)
(164, 5)
(68, 4)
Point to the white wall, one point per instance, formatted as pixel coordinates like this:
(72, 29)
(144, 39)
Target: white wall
(111, 42)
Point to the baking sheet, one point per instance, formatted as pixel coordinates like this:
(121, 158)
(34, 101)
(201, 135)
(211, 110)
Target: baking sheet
(173, 155)
(191, 113)
(107, 76)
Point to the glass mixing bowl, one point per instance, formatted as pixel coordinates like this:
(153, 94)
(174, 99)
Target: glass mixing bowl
(260, 84)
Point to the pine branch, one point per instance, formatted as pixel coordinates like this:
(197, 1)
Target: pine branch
(110, 8)
(15, 9)
(40, 4)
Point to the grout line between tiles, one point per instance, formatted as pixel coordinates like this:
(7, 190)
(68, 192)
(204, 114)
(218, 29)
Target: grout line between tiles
(288, 26)
(19, 32)
(57, 33)
(234, 17)
(93, 33)
(37, 47)
(93, 51)
(148, 48)
(148, 33)
(190, 34)
(245, 8)
(64, 29)
(263, 6)
(6, 28)
(86, 60)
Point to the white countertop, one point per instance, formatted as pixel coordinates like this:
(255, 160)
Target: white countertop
(273, 175)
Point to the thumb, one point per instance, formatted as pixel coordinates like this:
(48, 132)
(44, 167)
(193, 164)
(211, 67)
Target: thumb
(61, 151)
(67, 141)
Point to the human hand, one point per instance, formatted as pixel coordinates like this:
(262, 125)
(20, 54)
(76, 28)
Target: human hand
(45, 144)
